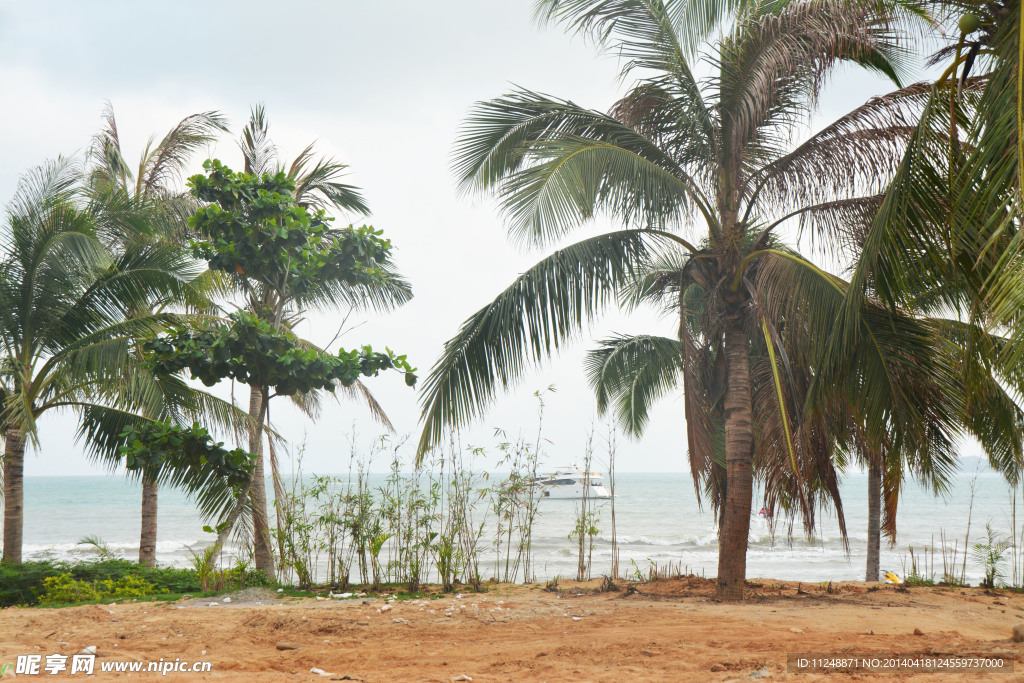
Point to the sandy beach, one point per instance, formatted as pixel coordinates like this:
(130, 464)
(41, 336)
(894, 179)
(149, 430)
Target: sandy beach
(668, 630)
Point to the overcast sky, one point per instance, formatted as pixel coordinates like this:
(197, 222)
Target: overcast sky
(382, 87)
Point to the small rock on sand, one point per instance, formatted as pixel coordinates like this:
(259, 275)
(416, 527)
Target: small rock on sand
(918, 632)
(1018, 633)
(796, 630)
(462, 678)
(287, 646)
(90, 650)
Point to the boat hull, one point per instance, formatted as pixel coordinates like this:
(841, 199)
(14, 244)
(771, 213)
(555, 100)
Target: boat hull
(568, 491)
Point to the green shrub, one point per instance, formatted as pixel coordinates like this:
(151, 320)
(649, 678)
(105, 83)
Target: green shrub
(130, 586)
(251, 578)
(52, 582)
(64, 589)
(24, 584)
(917, 580)
(163, 579)
(213, 578)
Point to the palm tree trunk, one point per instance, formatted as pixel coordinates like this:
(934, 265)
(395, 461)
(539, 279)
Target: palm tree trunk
(874, 517)
(279, 494)
(739, 448)
(14, 492)
(258, 495)
(147, 537)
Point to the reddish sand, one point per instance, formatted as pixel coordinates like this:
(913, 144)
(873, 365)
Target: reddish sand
(669, 630)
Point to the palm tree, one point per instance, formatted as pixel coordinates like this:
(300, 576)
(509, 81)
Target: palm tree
(946, 239)
(68, 318)
(317, 186)
(984, 409)
(630, 372)
(673, 153)
(151, 196)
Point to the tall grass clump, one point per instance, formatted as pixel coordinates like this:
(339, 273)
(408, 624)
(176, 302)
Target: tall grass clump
(950, 555)
(417, 525)
(409, 513)
(299, 544)
(463, 514)
(612, 448)
(329, 520)
(514, 502)
(585, 530)
(427, 521)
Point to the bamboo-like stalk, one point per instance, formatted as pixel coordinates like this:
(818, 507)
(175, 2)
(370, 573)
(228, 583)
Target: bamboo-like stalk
(1013, 532)
(1020, 545)
(611, 488)
(967, 535)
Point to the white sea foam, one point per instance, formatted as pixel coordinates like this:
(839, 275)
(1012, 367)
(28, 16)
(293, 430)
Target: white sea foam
(642, 540)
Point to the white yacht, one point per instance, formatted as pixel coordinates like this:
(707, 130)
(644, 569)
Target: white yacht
(569, 482)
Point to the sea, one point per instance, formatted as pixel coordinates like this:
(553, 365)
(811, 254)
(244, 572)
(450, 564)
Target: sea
(659, 523)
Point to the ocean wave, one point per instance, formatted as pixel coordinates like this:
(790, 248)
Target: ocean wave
(640, 540)
(175, 552)
(708, 539)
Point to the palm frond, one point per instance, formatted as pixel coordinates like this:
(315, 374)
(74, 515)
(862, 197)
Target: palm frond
(259, 152)
(779, 56)
(109, 167)
(858, 153)
(544, 308)
(648, 34)
(169, 159)
(319, 187)
(628, 374)
(554, 165)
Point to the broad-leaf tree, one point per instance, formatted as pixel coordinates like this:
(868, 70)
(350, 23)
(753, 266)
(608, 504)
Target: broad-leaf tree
(318, 185)
(284, 257)
(253, 351)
